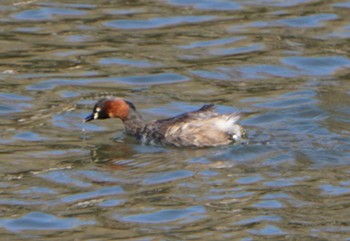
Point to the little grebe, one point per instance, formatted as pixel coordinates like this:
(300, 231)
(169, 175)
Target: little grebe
(201, 128)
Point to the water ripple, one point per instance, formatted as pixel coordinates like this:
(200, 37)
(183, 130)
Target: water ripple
(157, 22)
(317, 66)
(268, 230)
(215, 42)
(334, 190)
(43, 14)
(153, 79)
(284, 65)
(207, 4)
(258, 219)
(7, 100)
(128, 62)
(64, 178)
(185, 215)
(269, 204)
(94, 194)
(238, 50)
(167, 177)
(311, 21)
(41, 221)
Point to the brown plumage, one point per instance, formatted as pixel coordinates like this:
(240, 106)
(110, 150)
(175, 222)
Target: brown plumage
(201, 128)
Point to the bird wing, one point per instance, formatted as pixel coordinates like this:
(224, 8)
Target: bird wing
(213, 131)
(205, 111)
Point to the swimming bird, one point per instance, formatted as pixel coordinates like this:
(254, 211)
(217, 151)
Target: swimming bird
(201, 128)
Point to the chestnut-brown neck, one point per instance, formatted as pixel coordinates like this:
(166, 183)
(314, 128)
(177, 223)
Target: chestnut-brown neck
(132, 120)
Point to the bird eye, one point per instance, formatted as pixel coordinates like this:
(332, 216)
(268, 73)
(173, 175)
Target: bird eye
(98, 109)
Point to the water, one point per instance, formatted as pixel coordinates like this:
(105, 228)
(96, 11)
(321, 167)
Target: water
(283, 64)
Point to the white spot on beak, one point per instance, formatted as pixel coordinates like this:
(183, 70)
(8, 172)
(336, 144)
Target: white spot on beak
(95, 115)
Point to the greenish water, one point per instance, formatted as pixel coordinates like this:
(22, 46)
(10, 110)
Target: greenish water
(283, 64)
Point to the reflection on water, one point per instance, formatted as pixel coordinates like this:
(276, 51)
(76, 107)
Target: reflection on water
(283, 64)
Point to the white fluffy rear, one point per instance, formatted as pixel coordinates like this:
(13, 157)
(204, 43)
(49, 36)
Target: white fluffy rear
(227, 124)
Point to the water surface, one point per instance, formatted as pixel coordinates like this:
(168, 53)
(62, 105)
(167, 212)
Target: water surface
(283, 64)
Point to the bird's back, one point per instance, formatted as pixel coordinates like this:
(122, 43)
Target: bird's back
(200, 128)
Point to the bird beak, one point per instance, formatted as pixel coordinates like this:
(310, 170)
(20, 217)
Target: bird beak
(89, 117)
